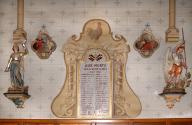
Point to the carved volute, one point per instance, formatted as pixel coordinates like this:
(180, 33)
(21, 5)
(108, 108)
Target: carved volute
(96, 44)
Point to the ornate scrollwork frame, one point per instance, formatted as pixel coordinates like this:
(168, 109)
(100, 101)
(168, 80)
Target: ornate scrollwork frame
(97, 35)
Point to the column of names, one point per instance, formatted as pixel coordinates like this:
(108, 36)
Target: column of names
(94, 89)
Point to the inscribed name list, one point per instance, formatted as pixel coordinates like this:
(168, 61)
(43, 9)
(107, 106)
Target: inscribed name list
(94, 89)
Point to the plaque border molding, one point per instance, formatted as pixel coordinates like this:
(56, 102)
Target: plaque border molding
(125, 103)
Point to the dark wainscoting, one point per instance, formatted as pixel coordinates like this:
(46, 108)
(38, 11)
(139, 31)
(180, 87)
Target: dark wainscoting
(166, 121)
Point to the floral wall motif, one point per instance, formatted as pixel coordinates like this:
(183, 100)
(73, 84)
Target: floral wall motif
(64, 18)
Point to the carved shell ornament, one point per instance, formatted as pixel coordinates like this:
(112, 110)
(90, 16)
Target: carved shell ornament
(43, 45)
(95, 33)
(146, 44)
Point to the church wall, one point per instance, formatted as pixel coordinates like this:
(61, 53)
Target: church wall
(64, 18)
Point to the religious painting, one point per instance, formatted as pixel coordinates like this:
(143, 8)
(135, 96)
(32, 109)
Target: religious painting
(95, 84)
(43, 45)
(146, 44)
(177, 76)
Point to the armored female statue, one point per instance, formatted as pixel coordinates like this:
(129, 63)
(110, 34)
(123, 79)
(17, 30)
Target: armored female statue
(15, 65)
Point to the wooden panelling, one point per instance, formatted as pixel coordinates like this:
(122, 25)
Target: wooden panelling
(112, 123)
(149, 123)
(74, 124)
(182, 123)
(8, 123)
(38, 124)
(168, 121)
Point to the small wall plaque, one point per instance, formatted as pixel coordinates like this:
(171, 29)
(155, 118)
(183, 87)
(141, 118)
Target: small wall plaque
(43, 45)
(146, 44)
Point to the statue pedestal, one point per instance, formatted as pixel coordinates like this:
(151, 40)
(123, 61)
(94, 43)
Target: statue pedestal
(18, 95)
(172, 96)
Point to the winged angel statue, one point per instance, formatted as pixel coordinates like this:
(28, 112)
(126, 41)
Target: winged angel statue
(175, 69)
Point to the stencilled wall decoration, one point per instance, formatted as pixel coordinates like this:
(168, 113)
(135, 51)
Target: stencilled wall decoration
(96, 85)
(177, 76)
(146, 44)
(43, 45)
(66, 17)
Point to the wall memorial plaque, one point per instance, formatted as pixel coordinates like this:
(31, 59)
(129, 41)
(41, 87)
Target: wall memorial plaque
(95, 84)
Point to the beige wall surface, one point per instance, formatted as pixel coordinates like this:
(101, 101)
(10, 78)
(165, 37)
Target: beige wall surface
(64, 18)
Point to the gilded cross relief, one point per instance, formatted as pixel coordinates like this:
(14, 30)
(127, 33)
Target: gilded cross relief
(95, 84)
